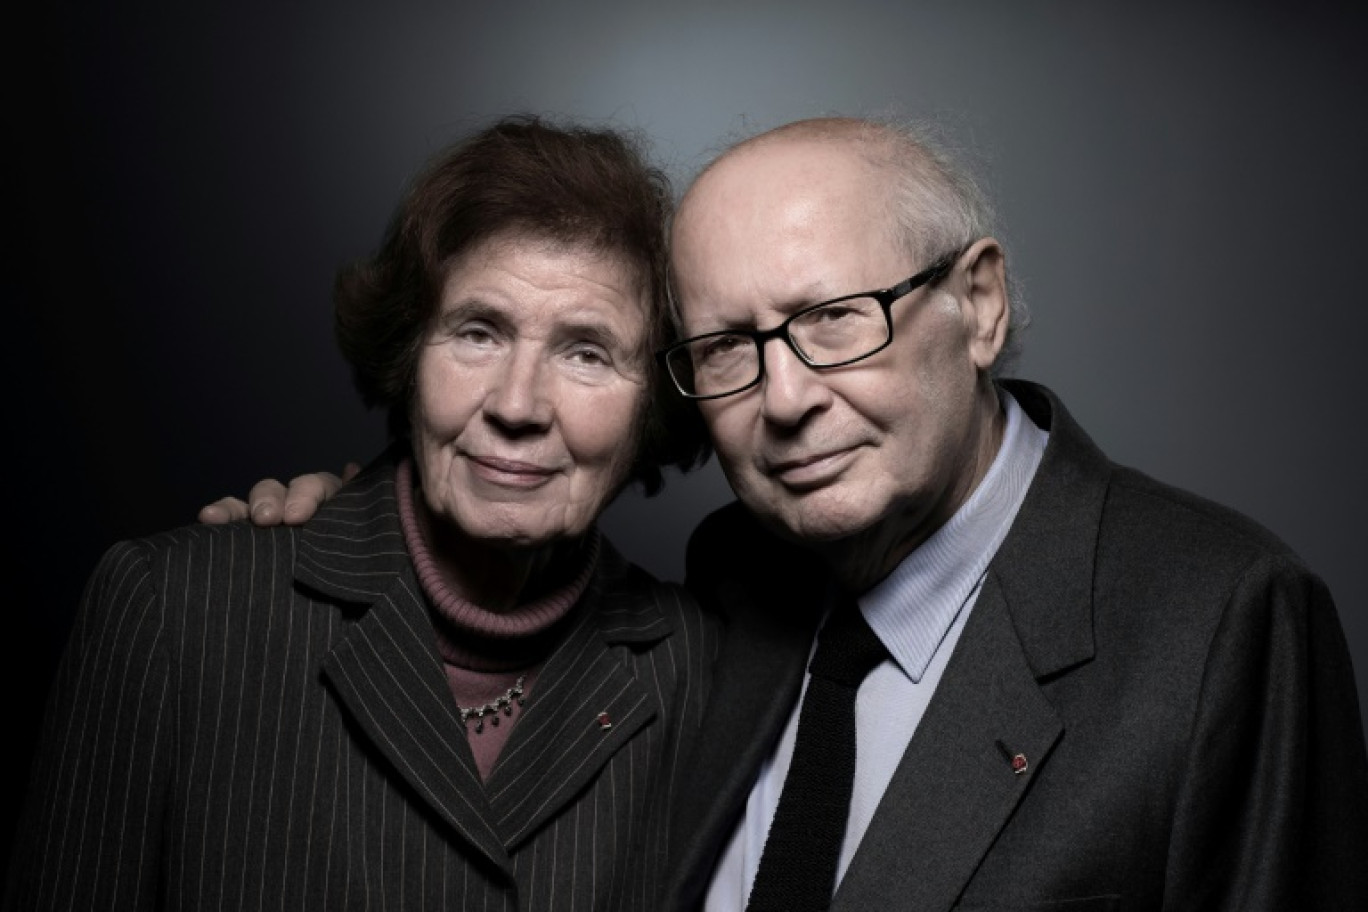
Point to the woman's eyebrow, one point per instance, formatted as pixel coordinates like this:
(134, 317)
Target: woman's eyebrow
(472, 309)
(598, 331)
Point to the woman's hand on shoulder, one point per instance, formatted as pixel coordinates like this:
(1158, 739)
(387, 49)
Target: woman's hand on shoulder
(270, 503)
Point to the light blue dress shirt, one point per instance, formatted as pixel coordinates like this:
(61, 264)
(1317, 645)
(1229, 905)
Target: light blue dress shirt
(918, 612)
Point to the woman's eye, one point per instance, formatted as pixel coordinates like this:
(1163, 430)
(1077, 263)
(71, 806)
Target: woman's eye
(475, 334)
(589, 356)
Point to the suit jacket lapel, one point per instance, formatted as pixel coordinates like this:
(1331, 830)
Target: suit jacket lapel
(1045, 564)
(387, 674)
(757, 679)
(385, 669)
(585, 706)
(955, 787)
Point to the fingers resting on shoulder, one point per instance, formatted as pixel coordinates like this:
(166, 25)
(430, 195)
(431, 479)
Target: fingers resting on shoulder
(270, 503)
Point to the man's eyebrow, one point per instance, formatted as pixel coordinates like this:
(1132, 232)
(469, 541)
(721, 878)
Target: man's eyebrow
(816, 292)
(722, 323)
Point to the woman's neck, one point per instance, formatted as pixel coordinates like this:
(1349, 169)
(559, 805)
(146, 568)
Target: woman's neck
(496, 579)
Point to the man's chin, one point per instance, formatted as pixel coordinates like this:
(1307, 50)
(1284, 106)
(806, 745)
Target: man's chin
(813, 523)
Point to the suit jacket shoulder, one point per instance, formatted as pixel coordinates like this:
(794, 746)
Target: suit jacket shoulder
(1174, 676)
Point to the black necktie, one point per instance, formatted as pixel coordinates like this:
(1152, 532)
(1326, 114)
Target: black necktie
(797, 870)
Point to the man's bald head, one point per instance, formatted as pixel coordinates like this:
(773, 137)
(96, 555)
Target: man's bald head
(927, 199)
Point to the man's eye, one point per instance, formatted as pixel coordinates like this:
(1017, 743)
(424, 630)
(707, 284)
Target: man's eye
(833, 314)
(721, 347)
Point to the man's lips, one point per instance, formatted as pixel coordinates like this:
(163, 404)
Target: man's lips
(811, 470)
(509, 472)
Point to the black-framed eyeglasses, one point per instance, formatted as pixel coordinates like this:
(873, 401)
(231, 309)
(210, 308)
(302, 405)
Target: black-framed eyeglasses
(829, 334)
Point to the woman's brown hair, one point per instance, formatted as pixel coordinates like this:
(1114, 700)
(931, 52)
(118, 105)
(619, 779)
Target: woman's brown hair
(519, 177)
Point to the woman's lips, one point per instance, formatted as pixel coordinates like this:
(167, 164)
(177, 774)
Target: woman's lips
(511, 473)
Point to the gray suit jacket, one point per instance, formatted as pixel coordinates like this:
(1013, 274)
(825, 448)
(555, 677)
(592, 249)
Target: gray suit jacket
(258, 718)
(1175, 677)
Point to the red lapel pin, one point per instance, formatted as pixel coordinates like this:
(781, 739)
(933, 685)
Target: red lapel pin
(1017, 760)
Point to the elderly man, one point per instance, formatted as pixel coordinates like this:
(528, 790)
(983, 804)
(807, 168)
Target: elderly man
(1042, 680)
(1099, 692)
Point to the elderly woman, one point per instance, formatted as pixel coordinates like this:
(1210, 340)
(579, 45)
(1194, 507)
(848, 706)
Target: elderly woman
(446, 690)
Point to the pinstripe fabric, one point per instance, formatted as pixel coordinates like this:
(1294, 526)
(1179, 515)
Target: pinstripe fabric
(257, 719)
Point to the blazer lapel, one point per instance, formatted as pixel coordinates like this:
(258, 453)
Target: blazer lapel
(387, 674)
(955, 786)
(757, 678)
(384, 668)
(585, 706)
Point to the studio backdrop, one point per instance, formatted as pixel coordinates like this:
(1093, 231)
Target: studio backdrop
(1181, 190)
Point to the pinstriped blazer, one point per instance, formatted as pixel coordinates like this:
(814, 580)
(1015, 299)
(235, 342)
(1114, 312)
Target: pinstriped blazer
(258, 719)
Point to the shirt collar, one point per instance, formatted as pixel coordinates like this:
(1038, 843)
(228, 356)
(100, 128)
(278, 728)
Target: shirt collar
(914, 606)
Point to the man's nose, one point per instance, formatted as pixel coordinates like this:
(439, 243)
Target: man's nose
(789, 390)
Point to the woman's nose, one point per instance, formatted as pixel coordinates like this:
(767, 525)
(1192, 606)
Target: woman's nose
(519, 399)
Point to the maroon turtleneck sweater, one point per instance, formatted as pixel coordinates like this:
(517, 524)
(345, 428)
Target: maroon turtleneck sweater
(485, 652)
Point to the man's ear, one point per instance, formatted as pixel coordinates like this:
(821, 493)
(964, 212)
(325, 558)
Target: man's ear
(984, 271)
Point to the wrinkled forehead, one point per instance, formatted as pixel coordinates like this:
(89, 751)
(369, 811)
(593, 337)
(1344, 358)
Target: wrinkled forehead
(516, 242)
(545, 284)
(782, 224)
(579, 274)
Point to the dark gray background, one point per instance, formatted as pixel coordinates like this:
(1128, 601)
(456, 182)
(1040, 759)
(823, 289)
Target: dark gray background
(1182, 191)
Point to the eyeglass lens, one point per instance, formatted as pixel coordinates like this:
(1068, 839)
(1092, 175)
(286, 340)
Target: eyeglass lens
(827, 335)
